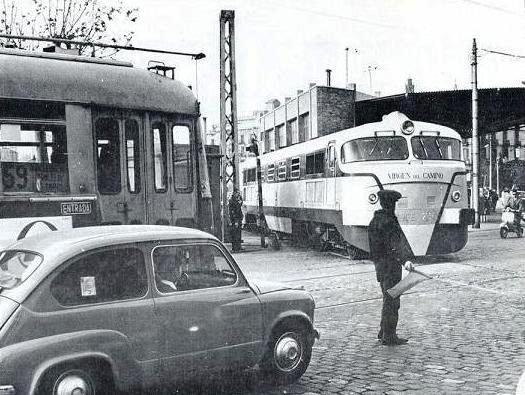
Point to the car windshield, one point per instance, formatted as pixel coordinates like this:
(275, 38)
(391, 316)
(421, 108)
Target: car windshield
(16, 267)
(436, 148)
(374, 148)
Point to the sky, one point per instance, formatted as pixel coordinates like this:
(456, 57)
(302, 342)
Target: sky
(283, 45)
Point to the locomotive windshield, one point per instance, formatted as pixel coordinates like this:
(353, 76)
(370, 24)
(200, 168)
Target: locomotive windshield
(436, 148)
(33, 158)
(374, 148)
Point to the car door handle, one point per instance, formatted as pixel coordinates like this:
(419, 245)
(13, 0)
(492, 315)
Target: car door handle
(244, 291)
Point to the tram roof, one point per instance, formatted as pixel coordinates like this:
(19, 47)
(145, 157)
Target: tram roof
(499, 108)
(77, 79)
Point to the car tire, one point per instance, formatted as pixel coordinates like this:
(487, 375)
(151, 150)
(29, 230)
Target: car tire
(503, 232)
(65, 380)
(288, 354)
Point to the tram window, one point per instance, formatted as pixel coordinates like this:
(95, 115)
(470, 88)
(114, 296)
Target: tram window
(295, 168)
(315, 163)
(132, 155)
(182, 158)
(160, 160)
(250, 175)
(108, 156)
(34, 158)
(331, 157)
(374, 148)
(436, 148)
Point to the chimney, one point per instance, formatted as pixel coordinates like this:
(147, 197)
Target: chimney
(409, 86)
(272, 104)
(328, 73)
(351, 86)
(299, 92)
(377, 93)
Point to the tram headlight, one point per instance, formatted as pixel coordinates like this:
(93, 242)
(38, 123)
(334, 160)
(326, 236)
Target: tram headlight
(373, 198)
(456, 196)
(407, 127)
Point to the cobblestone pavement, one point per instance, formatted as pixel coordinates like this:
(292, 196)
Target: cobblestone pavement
(466, 326)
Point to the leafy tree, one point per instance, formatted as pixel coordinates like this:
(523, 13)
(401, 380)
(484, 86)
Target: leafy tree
(107, 21)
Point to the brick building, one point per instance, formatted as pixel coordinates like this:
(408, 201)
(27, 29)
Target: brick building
(319, 111)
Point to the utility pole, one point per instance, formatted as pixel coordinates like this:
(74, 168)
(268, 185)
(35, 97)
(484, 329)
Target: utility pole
(346, 74)
(475, 138)
(228, 109)
(490, 161)
(370, 68)
(254, 149)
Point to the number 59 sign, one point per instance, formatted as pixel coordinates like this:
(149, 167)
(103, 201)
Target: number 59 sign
(34, 177)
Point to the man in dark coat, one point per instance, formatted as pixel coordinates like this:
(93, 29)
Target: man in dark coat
(389, 250)
(236, 216)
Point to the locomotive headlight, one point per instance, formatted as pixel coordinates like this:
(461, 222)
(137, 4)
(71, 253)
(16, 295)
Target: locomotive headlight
(407, 127)
(456, 196)
(372, 198)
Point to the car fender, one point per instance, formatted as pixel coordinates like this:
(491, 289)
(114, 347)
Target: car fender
(28, 361)
(291, 315)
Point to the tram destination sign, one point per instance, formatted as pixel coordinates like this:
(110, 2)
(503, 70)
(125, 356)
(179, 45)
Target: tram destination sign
(75, 208)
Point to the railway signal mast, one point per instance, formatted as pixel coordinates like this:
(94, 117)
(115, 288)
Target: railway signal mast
(228, 97)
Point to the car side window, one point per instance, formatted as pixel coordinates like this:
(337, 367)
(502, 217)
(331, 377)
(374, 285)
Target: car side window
(103, 276)
(187, 267)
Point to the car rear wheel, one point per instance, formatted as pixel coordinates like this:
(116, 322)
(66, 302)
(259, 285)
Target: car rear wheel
(288, 355)
(76, 381)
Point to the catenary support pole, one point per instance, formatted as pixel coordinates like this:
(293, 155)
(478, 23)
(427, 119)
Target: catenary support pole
(475, 138)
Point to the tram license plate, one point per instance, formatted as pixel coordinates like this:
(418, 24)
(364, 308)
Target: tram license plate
(72, 208)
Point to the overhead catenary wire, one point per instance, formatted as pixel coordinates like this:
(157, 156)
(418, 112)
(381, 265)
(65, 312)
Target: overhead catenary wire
(503, 53)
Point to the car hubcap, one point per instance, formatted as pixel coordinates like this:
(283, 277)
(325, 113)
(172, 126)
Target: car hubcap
(288, 352)
(73, 384)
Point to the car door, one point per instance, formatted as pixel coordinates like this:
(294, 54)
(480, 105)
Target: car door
(208, 316)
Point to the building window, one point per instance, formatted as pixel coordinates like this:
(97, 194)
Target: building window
(294, 130)
(315, 163)
(281, 135)
(295, 168)
(132, 155)
(108, 156)
(271, 140)
(304, 127)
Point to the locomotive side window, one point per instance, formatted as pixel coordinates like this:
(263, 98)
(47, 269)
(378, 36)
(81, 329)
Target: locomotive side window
(132, 155)
(160, 160)
(436, 148)
(108, 156)
(34, 158)
(182, 158)
(295, 168)
(270, 173)
(374, 148)
(281, 172)
(315, 163)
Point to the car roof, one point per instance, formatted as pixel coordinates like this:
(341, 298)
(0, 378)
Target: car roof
(52, 242)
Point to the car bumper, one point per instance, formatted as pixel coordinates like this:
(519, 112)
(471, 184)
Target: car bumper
(7, 390)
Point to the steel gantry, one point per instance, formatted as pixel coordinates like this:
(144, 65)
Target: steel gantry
(228, 97)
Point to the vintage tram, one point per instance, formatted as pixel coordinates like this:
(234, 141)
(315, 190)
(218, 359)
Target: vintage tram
(325, 190)
(95, 141)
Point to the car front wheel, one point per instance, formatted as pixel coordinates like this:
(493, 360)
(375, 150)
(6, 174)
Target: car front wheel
(288, 355)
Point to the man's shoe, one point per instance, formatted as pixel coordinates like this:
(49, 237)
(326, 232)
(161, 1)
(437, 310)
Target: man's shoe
(395, 341)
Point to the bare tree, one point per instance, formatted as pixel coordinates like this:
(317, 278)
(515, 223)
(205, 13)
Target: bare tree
(107, 21)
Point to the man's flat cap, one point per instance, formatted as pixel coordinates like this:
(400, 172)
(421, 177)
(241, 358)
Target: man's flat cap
(388, 195)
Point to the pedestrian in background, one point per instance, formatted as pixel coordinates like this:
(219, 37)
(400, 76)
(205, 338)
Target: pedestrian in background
(389, 250)
(236, 217)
